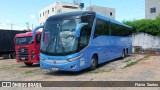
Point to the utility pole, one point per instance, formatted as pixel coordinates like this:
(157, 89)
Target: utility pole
(11, 26)
(32, 26)
(27, 23)
(90, 9)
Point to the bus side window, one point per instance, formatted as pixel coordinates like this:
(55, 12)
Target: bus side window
(38, 38)
(86, 31)
(114, 29)
(85, 36)
(102, 28)
(99, 28)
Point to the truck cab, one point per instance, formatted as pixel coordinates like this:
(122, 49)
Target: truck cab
(27, 48)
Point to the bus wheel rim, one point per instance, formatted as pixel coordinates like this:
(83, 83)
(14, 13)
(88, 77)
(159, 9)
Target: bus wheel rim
(93, 62)
(123, 54)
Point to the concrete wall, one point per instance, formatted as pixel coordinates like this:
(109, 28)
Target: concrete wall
(146, 41)
(109, 12)
(151, 4)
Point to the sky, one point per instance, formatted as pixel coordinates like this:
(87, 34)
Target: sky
(16, 13)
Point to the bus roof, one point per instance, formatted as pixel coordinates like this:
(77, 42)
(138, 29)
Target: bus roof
(81, 13)
(111, 20)
(69, 14)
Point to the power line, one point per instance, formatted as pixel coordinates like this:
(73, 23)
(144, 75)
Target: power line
(135, 7)
(138, 4)
(17, 26)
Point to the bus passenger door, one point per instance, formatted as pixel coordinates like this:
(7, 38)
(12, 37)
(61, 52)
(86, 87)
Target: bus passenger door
(84, 41)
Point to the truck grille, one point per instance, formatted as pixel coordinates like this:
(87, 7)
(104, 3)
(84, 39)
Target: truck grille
(23, 54)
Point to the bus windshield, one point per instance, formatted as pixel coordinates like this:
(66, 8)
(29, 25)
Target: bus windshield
(58, 36)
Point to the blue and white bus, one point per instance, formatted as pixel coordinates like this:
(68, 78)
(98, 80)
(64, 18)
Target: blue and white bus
(78, 40)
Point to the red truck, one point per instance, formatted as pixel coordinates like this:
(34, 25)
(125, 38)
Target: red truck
(27, 48)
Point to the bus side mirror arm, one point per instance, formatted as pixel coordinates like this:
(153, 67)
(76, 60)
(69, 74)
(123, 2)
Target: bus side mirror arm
(35, 29)
(78, 29)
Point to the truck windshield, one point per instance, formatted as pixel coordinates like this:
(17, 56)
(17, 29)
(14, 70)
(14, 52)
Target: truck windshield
(58, 36)
(24, 41)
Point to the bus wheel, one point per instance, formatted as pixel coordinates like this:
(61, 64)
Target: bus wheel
(28, 64)
(94, 63)
(127, 52)
(123, 54)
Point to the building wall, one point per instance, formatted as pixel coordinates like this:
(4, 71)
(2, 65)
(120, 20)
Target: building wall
(109, 12)
(152, 4)
(56, 8)
(146, 41)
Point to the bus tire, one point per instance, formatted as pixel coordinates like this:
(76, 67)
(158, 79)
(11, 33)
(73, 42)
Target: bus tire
(94, 63)
(123, 54)
(127, 53)
(28, 64)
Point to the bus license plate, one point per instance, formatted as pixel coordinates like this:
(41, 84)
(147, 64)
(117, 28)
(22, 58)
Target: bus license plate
(55, 69)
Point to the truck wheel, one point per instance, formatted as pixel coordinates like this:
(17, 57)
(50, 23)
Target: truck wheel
(94, 63)
(13, 55)
(5, 56)
(28, 64)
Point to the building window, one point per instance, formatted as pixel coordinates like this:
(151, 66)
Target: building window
(43, 13)
(111, 14)
(59, 11)
(52, 9)
(153, 10)
(40, 15)
(48, 11)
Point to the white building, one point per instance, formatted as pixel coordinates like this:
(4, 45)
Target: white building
(109, 12)
(56, 8)
(152, 9)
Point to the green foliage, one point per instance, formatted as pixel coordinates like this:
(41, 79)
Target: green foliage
(145, 25)
(131, 64)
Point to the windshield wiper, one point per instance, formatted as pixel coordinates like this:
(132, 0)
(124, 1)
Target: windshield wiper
(49, 44)
(59, 46)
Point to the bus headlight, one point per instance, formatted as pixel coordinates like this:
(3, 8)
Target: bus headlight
(42, 58)
(75, 58)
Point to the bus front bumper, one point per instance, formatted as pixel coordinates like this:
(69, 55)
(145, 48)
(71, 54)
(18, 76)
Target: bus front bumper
(67, 66)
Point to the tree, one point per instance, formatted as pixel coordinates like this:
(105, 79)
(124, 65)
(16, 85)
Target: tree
(145, 25)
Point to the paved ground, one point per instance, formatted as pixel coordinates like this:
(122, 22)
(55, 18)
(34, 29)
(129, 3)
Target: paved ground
(132, 68)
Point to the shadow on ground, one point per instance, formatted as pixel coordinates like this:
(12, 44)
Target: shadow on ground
(85, 71)
(33, 66)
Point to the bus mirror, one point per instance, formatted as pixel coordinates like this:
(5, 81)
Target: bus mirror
(35, 29)
(78, 29)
